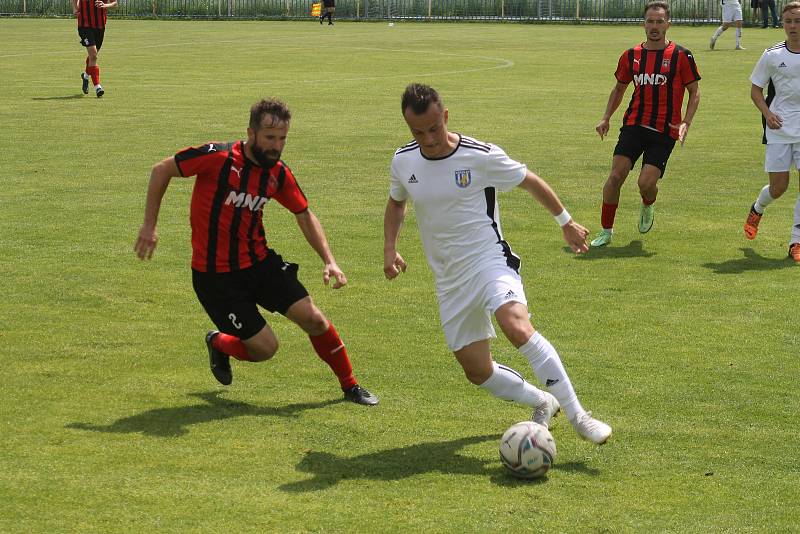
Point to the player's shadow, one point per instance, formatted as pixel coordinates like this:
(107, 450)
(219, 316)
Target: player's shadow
(752, 261)
(171, 422)
(392, 464)
(67, 97)
(403, 462)
(634, 249)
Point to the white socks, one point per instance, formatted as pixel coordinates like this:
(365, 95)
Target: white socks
(718, 33)
(550, 371)
(764, 199)
(738, 37)
(796, 223)
(509, 385)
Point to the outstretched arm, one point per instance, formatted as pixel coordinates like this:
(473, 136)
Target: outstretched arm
(574, 233)
(160, 176)
(614, 100)
(315, 235)
(393, 262)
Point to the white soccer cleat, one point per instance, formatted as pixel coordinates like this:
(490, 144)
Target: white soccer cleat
(546, 410)
(591, 429)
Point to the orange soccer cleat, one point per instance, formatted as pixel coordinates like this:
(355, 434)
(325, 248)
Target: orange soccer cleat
(751, 224)
(794, 252)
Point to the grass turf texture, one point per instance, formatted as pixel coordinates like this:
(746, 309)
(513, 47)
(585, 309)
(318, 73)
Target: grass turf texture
(684, 339)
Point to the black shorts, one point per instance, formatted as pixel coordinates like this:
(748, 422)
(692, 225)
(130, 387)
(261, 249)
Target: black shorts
(230, 299)
(92, 36)
(329, 3)
(635, 140)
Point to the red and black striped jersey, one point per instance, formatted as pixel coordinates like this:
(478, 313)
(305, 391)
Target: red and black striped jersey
(228, 200)
(659, 78)
(91, 16)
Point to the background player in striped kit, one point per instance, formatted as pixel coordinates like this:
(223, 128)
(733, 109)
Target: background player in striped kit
(778, 68)
(233, 269)
(661, 71)
(453, 181)
(92, 16)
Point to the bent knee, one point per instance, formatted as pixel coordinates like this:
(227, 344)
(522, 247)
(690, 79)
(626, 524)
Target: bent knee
(263, 351)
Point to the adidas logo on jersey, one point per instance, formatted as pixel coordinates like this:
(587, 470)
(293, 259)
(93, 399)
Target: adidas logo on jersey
(783, 65)
(413, 180)
(511, 294)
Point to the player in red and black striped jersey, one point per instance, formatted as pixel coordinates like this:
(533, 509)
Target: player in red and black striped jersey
(233, 269)
(92, 15)
(661, 71)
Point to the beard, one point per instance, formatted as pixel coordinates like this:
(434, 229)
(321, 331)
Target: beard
(265, 158)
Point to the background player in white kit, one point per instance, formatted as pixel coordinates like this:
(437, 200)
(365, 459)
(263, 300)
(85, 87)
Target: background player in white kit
(779, 67)
(452, 181)
(731, 16)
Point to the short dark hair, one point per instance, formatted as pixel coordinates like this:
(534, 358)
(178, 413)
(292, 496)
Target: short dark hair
(268, 106)
(655, 5)
(419, 97)
(790, 6)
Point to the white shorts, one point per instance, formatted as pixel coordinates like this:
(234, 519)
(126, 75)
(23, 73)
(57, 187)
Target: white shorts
(779, 157)
(731, 12)
(466, 312)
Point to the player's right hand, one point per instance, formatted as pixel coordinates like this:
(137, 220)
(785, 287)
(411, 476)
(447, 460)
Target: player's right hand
(602, 128)
(146, 243)
(393, 264)
(575, 235)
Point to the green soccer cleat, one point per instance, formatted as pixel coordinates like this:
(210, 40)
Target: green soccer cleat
(602, 239)
(647, 214)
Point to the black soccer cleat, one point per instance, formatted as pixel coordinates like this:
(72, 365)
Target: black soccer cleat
(99, 91)
(219, 362)
(84, 83)
(360, 395)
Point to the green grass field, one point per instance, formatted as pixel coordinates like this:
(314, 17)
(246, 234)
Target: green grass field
(684, 340)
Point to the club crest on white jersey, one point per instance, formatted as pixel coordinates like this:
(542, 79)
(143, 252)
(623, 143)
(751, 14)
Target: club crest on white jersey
(463, 178)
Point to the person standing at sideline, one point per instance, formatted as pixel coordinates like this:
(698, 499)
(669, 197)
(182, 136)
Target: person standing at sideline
(92, 16)
(453, 181)
(768, 7)
(233, 269)
(661, 71)
(731, 16)
(328, 7)
(779, 70)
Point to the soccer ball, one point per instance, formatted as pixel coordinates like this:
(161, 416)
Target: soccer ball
(527, 449)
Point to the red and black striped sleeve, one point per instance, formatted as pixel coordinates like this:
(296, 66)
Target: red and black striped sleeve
(624, 73)
(289, 193)
(687, 67)
(192, 160)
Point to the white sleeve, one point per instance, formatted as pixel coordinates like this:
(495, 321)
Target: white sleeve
(761, 72)
(503, 172)
(396, 189)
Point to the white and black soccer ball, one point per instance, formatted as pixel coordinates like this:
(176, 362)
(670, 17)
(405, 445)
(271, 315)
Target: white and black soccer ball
(527, 449)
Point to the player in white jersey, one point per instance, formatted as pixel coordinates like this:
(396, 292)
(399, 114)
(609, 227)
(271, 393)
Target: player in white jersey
(731, 16)
(779, 67)
(453, 181)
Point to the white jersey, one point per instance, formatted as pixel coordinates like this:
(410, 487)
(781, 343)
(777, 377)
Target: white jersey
(456, 206)
(781, 68)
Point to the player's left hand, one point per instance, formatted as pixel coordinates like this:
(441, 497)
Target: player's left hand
(331, 269)
(575, 235)
(683, 129)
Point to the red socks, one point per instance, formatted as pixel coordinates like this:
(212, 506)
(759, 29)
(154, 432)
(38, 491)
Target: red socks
(607, 215)
(232, 346)
(94, 72)
(331, 350)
